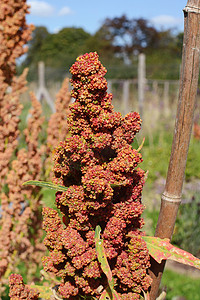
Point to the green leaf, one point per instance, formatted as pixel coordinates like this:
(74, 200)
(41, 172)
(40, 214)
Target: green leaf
(101, 254)
(44, 291)
(140, 147)
(109, 293)
(48, 185)
(113, 185)
(56, 187)
(161, 249)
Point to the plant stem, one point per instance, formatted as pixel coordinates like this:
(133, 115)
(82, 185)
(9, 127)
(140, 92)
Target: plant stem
(171, 197)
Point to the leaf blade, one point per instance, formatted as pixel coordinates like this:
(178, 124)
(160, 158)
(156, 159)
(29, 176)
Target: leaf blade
(162, 249)
(101, 255)
(44, 291)
(48, 185)
(109, 292)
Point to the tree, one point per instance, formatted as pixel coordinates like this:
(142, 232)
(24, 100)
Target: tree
(129, 36)
(118, 42)
(167, 48)
(38, 39)
(58, 50)
(62, 48)
(103, 46)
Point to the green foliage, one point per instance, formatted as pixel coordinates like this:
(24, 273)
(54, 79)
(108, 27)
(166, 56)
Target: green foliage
(101, 255)
(35, 45)
(121, 71)
(192, 165)
(157, 67)
(65, 46)
(24, 115)
(44, 291)
(168, 48)
(57, 50)
(5, 296)
(156, 157)
(180, 285)
(109, 292)
(48, 198)
(48, 185)
(118, 42)
(187, 228)
(151, 219)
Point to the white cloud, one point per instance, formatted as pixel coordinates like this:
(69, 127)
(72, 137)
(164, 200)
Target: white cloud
(65, 11)
(40, 8)
(57, 29)
(166, 20)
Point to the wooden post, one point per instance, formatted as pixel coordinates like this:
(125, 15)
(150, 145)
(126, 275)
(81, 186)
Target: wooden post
(171, 197)
(109, 86)
(141, 81)
(166, 95)
(126, 84)
(155, 87)
(42, 91)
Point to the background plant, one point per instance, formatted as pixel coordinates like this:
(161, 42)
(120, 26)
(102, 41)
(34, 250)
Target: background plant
(22, 154)
(57, 130)
(21, 233)
(14, 34)
(186, 234)
(117, 51)
(21, 206)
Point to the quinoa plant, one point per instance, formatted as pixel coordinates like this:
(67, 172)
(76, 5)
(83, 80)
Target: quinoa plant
(99, 169)
(14, 34)
(20, 223)
(57, 130)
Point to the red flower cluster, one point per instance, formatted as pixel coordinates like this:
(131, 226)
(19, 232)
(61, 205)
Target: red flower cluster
(100, 169)
(18, 290)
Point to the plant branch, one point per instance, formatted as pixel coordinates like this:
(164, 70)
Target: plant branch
(171, 197)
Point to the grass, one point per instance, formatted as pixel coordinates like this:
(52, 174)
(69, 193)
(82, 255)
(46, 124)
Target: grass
(156, 157)
(179, 285)
(192, 165)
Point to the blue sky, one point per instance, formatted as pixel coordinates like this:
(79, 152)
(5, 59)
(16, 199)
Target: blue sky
(89, 14)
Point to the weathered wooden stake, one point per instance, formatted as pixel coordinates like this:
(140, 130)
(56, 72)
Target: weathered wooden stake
(125, 96)
(42, 91)
(109, 86)
(141, 81)
(166, 95)
(171, 197)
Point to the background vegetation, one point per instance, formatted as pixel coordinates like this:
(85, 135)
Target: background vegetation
(118, 42)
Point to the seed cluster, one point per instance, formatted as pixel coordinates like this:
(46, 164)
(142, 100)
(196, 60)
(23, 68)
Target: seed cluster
(14, 34)
(18, 290)
(21, 232)
(100, 168)
(57, 129)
